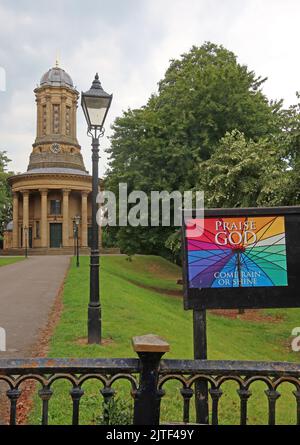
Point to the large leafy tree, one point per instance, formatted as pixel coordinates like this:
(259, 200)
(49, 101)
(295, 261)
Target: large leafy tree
(5, 193)
(207, 93)
(289, 141)
(163, 145)
(244, 173)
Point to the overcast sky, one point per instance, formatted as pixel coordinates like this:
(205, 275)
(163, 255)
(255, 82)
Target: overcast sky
(130, 43)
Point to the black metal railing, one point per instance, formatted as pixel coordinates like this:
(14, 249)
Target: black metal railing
(244, 373)
(46, 372)
(148, 376)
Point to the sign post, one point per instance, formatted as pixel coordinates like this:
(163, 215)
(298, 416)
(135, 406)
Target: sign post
(238, 258)
(200, 353)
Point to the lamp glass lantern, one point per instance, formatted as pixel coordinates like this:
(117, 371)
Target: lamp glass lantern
(95, 104)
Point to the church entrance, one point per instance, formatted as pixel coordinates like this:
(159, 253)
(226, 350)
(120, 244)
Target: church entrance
(55, 235)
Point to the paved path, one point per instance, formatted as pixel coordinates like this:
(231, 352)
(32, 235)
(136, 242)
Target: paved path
(27, 293)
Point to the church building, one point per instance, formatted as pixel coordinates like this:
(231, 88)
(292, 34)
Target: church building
(56, 187)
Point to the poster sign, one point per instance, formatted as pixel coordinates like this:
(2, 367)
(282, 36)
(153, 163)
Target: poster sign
(242, 258)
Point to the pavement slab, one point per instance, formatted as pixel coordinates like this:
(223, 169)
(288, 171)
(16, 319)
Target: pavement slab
(28, 290)
(27, 293)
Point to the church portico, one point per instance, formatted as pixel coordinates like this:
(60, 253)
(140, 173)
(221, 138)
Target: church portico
(37, 209)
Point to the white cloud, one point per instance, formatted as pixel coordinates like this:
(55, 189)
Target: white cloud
(2, 79)
(266, 38)
(130, 46)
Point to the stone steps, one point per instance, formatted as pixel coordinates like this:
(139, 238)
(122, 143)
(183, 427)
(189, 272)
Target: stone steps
(57, 251)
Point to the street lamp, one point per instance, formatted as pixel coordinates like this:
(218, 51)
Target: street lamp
(74, 237)
(76, 222)
(95, 104)
(25, 230)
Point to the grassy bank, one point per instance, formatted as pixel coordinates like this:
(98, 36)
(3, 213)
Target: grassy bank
(132, 306)
(4, 261)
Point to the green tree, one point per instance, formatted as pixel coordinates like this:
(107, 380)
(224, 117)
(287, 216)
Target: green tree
(244, 173)
(161, 146)
(206, 93)
(289, 141)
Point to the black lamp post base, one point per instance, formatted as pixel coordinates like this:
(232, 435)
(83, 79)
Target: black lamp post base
(94, 325)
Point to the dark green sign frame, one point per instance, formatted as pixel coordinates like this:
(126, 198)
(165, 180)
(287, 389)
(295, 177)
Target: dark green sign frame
(249, 297)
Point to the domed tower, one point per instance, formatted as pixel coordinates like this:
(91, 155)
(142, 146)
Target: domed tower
(56, 144)
(56, 186)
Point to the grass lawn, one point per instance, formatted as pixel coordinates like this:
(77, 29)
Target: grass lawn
(131, 306)
(4, 261)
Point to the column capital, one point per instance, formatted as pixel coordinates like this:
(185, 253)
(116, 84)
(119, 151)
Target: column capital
(66, 191)
(25, 192)
(43, 191)
(84, 193)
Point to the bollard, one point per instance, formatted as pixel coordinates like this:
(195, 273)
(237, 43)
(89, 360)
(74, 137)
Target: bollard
(150, 348)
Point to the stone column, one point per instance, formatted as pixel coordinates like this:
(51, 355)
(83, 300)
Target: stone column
(15, 220)
(84, 219)
(66, 241)
(25, 215)
(44, 217)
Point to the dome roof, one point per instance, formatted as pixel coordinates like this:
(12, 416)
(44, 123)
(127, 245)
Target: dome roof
(56, 77)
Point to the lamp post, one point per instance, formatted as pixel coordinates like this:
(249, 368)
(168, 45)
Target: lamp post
(25, 229)
(95, 104)
(74, 237)
(76, 222)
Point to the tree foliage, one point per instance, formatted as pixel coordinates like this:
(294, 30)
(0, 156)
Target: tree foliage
(240, 172)
(211, 128)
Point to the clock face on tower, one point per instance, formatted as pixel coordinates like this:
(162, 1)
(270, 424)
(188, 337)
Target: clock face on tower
(55, 148)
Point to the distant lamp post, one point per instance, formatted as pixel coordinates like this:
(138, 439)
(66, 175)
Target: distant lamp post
(74, 236)
(25, 230)
(95, 104)
(76, 222)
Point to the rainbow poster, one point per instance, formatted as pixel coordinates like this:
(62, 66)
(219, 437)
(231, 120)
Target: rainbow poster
(236, 252)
